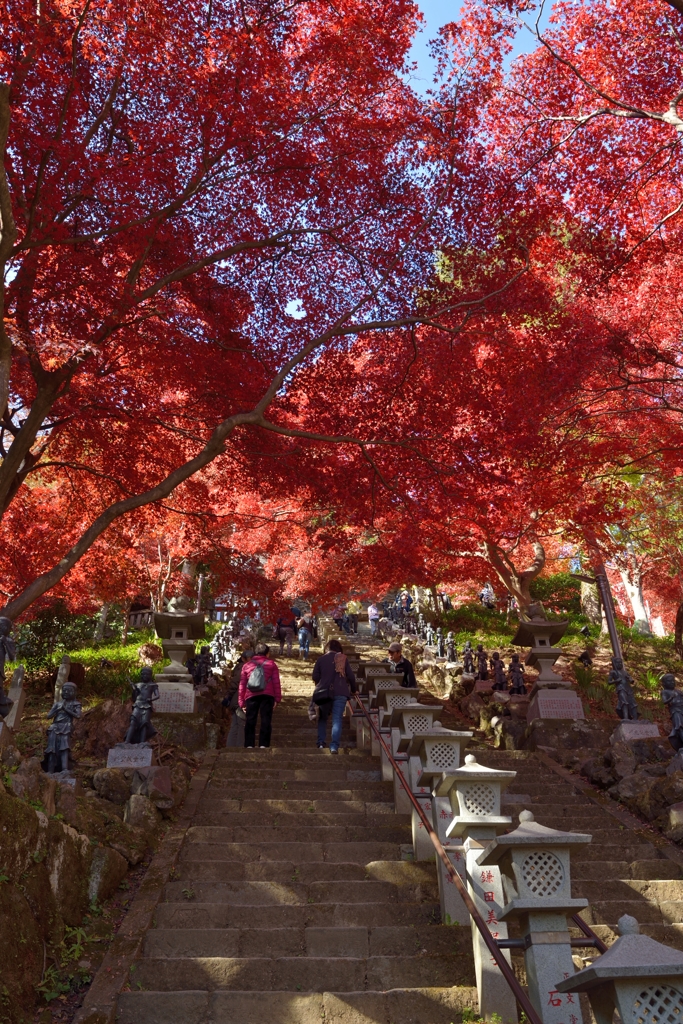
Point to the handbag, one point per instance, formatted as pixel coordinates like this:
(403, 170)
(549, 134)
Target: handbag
(322, 694)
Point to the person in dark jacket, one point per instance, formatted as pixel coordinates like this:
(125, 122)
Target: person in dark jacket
(335, 682)
(400, 664)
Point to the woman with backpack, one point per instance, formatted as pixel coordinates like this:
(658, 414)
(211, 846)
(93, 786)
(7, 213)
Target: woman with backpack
(259, 692)
(335, 682)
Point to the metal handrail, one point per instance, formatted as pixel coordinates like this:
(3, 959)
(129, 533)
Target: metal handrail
(491, 944)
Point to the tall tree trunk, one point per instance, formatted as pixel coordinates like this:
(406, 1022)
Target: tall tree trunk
(678, 631)
(590, 603)
(124, 631)
(102, 621)
(516, 583)
(634, 588)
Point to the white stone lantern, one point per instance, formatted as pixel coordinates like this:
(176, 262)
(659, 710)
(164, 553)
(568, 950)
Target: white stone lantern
(429, 756)
(475, 794)
(640, 978)
(404, 722)
(378, 706)
(535, 865)
(385, 701)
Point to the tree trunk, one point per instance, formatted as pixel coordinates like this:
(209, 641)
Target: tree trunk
(516, 583)
(124, 631)
(435, 599)
(634, 588)
(102, 621)
(678, 631)
(590, 603)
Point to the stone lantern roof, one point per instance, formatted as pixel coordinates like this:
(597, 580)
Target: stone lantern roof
(632, 956)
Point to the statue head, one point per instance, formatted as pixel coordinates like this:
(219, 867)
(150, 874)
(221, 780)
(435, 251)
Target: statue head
(205, 650)
(515, 658)
(480, 647)
(617, 663)
(5, 626)
(146, 675)
(669, 681)
(495, 656)
(69, 691)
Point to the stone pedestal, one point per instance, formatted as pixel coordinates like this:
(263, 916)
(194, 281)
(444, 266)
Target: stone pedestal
(626, 732)
(453, 909)
(555, 703)
(178, 632)
(485, 886)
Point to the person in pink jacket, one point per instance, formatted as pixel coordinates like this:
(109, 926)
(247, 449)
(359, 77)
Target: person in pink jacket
(259, 694)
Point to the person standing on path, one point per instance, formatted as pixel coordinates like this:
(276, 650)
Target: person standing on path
(305, 627)
(285, 629)
(353, 610)
(335, 682)
(373, 618)
(400, 664)
(259, 694)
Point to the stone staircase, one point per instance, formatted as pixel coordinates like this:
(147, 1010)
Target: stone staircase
(294, 900)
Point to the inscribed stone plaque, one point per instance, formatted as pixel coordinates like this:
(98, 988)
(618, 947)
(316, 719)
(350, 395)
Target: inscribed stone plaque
(130, 755)
(555, 704)
(627, 732)
(175, 699)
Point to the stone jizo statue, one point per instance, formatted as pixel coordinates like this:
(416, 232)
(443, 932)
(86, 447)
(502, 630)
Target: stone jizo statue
(451, 652)
(145, 692)
(482, 663)
(63, 713)
(440, 644)
(622, 681)
(498, 669)
(468, 659)
(673, 700)
(429, 635)
(516, 676)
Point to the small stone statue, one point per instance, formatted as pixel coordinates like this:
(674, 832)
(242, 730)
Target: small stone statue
(440, 644)
(202, 667)
(429, 635)
(145, 692)
(498, 669)
(63, 712)
(620, 679)
(468, 659)
(673, 700)
(482, 663)
(8, 652)
(516, 676)
(421, 626)
(451, 652)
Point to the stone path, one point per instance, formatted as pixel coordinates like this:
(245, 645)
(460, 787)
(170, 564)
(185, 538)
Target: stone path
(291, 902)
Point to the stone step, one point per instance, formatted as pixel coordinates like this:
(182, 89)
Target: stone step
(270, 893)
(609, 911)
(397, 872)
(290, 805)
(397, 1006)
(195, 914)
(290, 834)
(298, 820)
(656, 891)
(302, 791)
(302, 973)
(317, 776)
(596, 870)
(203, 849)
(287, 942)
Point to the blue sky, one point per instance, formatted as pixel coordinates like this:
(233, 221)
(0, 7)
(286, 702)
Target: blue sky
(438, 13)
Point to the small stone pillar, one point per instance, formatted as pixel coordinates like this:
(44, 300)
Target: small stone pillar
(535, 865)
(405, 721)
(475, 795)
(429, 756)
(640, 978)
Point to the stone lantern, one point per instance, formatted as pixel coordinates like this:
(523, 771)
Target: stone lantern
(551, 695)
(384, 702)
(178, 631)
(475, 795)
(640, 978)
(429, 756)
(535, 865)
(404, 722)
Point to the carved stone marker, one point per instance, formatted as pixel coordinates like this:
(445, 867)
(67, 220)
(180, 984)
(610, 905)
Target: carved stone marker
(627, 732)
(62, 676)
(175, 699)
(17, 695)
(130, 755)
(555, 704)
